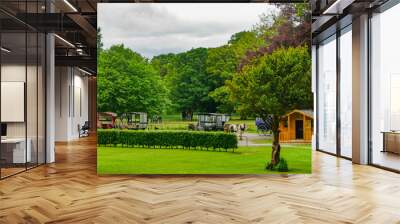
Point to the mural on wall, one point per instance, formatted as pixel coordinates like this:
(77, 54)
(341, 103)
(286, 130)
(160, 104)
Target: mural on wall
(187, 89)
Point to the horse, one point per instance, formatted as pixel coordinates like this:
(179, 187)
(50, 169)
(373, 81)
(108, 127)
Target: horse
(235, 128)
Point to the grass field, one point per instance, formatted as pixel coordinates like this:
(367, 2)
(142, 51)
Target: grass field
(245, 160)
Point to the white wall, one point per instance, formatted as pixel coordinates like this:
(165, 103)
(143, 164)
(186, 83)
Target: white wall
(314, 91)
(346, 94)
(33, 126)
(360, 89)
(50, 95)
(16, 73)
(71, 102)
(62, 82)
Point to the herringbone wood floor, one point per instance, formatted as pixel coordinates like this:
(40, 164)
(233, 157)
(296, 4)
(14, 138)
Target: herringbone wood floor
(70, 191)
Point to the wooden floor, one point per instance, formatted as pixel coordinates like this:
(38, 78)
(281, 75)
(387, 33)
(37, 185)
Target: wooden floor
(70, 191)
(387, 159)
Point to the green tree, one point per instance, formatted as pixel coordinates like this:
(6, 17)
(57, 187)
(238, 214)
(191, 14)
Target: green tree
(99, 41)
(196, 78)
(276, 84)
(191, 84)
(223, 62)
(127, 83)
(187, 80)
(221, 65)
(166, 67)
(244, 42)
(165, 64)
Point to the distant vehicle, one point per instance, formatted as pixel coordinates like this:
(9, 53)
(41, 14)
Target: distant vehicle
(263, 127)
(106, 120)
(134, 120)
(211, 121)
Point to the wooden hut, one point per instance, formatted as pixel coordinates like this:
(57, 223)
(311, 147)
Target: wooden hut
(297, 126)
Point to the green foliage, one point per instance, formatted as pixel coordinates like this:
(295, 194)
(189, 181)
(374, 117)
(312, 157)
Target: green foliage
(99, 41)
(277, 84)
(244, 42)
(185, 76)
(190, 92)
(221, 96)
(107, 137)
(165, 64)
(196, 78)
(186, 139)
(127, 82)
(282, 165)
(223, 63)
(203, 79)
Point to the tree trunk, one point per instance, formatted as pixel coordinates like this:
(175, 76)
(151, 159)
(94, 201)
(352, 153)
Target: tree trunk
(276, 147)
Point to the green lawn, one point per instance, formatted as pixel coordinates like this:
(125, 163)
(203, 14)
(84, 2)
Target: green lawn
(245, 160)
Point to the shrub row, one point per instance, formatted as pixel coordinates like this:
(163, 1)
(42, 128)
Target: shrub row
(185, 139)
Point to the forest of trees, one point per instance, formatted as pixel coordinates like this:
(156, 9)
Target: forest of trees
(212, 79)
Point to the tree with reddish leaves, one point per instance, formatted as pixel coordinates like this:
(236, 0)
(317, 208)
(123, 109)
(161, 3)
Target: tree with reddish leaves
(290, 27)
(276, 78)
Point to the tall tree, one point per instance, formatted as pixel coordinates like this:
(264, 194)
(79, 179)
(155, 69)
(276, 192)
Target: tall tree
(99, 41)
(223, 63)
(186, 77)
(128, 83)
(278, 83)
(191, 85)
(289, 27)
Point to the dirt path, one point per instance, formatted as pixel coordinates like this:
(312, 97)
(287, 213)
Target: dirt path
(249, 138)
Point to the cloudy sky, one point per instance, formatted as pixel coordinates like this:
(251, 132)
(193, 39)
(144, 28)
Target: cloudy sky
(152, 29)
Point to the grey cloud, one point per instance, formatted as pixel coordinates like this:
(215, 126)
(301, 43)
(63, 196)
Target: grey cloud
(152, 30)
(150, 21)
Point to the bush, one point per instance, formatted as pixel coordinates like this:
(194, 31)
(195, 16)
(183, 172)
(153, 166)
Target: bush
(282, 165)
(185, 139)
(107, 137)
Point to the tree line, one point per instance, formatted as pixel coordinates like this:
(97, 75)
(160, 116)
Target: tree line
(264, 72)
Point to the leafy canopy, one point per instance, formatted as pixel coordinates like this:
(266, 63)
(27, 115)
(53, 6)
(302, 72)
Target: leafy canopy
(128, 83)
(206, 79)
(278, 83)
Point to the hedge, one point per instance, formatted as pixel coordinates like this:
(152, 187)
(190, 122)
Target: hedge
(167, 139)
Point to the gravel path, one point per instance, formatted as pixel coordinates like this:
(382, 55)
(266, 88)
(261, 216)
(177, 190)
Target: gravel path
(248, 139)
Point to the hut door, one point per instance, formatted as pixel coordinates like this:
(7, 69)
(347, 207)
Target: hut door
(299, 129)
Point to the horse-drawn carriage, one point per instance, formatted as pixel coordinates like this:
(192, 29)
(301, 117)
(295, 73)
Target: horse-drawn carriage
(106, 120)
(263, 127)
(210, 122)
(133, 120)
